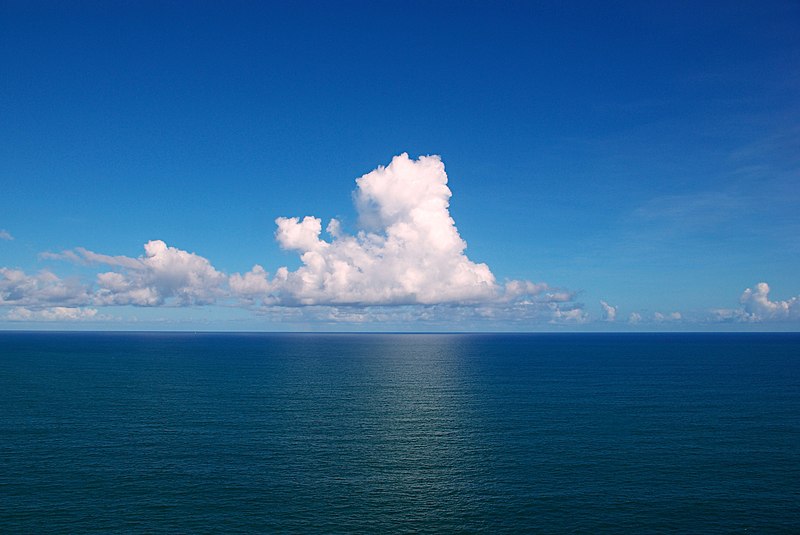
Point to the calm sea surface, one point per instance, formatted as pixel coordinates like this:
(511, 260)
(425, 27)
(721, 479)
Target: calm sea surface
(399, 433)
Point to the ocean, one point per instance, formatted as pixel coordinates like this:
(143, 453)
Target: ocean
(399, 433)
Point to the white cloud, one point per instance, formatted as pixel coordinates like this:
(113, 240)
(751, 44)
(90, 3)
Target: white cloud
(408, 251)
(251, 286)
(51, 314)
(671, 316)
(609, 312)
(656, 317)
(574, 314)
(5, 235)
(163, 275)
(20, 289)
(406, 261)
(757, 307)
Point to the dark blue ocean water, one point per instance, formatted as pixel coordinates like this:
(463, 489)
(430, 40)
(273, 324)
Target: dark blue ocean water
(399, 433)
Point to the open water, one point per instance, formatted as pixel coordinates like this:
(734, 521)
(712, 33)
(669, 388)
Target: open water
(341, 433)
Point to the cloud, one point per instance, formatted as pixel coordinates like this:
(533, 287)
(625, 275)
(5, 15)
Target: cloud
(5, 235)
(609, 312)
(757, 307)
(636, 318)
(164, 275)
(671, 316)
(405, 261)
(42, 289)
(51, 314)
(406, 251)
(573, 314)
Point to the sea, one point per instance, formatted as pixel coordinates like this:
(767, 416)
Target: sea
(399, 433)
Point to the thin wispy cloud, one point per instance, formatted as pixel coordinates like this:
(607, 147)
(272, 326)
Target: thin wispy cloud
(5, 235)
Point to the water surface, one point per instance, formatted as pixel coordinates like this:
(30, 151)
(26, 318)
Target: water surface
(156, 432)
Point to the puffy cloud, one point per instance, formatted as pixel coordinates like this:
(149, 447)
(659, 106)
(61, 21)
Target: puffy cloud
(42, 289)
(250, 286)
(408, 251)
(163, 274)
(406, 262)
(51, 314)
(609, 312)
(5, 235)
(572, 314)
(757, 307)
(634, 318)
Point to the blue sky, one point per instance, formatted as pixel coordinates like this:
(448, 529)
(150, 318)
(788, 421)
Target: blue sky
(642, 155)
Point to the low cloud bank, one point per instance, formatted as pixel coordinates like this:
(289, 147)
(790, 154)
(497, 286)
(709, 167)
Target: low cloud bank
(51, 314)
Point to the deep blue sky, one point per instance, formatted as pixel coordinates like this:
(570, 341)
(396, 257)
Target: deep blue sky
(645, 154)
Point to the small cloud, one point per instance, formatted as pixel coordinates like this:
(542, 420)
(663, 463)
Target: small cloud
(51, 314)
(658, 317)
(5, 235)
(609, 312)
(757, 307)
(634, 318)
(17, 288)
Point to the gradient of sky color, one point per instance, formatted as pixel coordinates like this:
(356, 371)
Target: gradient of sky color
(642, 155)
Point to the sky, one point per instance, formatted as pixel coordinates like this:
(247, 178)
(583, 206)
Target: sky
(400, 166)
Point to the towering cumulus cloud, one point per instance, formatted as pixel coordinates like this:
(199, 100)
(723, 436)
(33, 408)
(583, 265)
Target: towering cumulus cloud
(408, 251)
(405, 262)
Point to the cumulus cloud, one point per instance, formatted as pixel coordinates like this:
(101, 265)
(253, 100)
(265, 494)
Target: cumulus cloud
(407, 251)
(406, 260)
(41, 289)
(162, 275)
(756, 307)
(634, 318)
(609, 312)
(51, 314)
(5, 235)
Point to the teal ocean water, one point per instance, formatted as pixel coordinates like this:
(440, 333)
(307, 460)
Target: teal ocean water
(368, 433)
